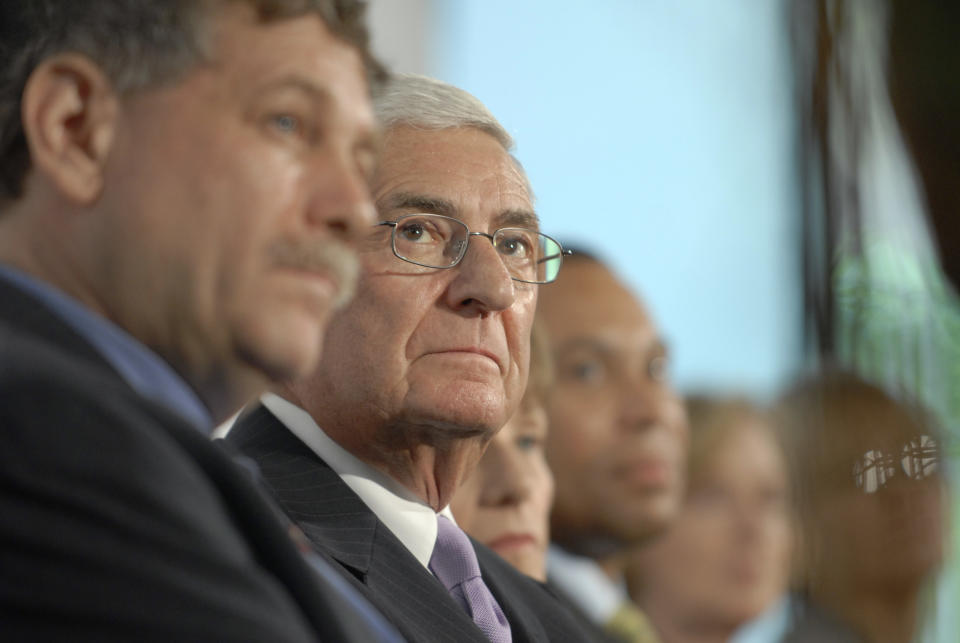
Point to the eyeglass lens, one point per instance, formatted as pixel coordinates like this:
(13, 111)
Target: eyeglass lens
(919, 458)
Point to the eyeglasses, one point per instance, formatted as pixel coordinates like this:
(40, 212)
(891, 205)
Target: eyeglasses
(919, 458)
(438, 241)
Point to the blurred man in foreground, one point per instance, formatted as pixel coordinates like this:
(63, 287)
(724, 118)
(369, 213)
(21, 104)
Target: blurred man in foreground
(617, 441)
(180, 183)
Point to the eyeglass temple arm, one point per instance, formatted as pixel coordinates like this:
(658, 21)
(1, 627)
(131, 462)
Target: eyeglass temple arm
(563, 253)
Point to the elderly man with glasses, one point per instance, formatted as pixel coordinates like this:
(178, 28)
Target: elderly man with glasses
(419, 371)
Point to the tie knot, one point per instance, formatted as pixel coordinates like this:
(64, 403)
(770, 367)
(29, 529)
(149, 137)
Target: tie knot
(453, 560)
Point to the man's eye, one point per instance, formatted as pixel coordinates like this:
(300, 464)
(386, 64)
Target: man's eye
(516, 246)
(286, 124)
(416, 232)
(528, 442)
(587, 371)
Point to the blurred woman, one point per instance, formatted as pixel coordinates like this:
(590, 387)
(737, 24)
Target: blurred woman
(870, 502)
(726, 558)
(505, 503)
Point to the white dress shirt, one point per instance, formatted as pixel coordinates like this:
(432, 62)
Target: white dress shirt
(410, 519)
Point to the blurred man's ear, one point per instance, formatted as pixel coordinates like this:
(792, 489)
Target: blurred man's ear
(69, 112)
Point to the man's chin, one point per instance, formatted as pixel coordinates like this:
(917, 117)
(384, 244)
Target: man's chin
(459, 418)
(444, 430)
(477, 406)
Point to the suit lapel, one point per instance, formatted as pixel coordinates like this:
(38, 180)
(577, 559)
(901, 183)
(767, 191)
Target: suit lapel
(339, 524)
(311, 493)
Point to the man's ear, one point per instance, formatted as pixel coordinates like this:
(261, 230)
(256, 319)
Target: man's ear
(69, 112)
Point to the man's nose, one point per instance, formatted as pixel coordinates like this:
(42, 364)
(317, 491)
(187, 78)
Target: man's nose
(341, 203)
(482, 283)
(645, 402)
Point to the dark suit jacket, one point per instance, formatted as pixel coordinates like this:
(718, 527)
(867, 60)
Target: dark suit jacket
(121, 522)
(339, 522)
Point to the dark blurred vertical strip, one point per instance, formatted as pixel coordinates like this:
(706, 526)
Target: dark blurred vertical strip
(819, 240)
(924, 82)
(829, 108)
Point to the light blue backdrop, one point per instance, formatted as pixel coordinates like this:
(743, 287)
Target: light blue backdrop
(659, 134)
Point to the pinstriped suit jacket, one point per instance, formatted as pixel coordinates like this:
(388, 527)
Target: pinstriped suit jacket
(341, 525)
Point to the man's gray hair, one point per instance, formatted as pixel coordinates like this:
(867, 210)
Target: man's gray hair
(426, 103)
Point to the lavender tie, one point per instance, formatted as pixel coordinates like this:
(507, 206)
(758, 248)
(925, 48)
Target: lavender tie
(454, 563)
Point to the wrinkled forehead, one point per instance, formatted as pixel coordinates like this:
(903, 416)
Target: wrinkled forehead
(460, 172)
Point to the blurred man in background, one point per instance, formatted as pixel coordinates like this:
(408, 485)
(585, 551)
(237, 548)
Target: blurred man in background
(617, 442)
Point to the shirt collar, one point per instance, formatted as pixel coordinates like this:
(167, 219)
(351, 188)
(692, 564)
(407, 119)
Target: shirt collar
(585, 582)
(410, 519)
(145, 371)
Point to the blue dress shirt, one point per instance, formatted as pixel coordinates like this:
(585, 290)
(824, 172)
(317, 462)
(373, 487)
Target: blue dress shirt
(140, 367)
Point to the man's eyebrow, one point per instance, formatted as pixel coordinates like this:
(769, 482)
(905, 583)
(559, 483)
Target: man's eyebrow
(584, 343)
(517, 219)
(436, 205)
(420, 203)
(317, 92)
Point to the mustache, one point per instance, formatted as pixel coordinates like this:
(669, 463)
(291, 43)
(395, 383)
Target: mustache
(333, 257)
